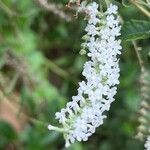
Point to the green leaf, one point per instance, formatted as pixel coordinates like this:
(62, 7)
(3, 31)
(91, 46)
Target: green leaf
(7, 134)
(135, 29)
(6, 130)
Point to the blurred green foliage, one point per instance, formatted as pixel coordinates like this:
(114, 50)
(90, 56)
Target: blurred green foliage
(43, 51)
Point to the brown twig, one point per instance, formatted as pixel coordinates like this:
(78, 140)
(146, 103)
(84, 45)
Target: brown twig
(22, 114)
(54, 9)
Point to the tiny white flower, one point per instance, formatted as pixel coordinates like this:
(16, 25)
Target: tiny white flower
(82, 6)
(111, 21)
(93, 20)
(91, 30)
(112, 9)
(92, 9)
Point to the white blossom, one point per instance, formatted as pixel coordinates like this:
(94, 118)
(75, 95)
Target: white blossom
(147, 144)
(91, 30)
(112, 9)
(87, 109)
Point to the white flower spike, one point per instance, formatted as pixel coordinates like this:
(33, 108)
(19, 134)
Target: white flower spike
(87, 110)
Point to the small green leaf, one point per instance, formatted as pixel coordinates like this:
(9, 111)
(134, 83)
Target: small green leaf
(135, 29)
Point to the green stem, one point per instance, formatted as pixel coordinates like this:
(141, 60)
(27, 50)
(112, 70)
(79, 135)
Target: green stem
(37, 122)
(107, 3)
(142, 9)
(50, 127)
(12, 84)
(60, 72)
(7, 10)
(56, 69)
(142, 3)
(141, 63)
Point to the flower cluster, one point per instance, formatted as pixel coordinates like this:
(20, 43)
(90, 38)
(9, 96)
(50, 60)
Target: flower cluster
(87, 109)
(147, 144)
